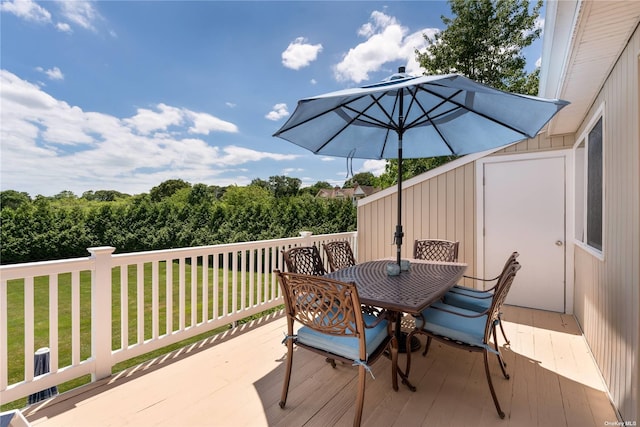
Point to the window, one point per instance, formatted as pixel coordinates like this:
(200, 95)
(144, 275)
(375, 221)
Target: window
(589, 186)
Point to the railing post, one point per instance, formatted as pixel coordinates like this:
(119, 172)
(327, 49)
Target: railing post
(101, 311)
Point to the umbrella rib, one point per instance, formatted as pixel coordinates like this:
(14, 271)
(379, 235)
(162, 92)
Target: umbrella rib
(353, 119)
(449, 99)
(315, 116)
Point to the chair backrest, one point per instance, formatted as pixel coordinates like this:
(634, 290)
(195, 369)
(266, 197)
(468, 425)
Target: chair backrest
(304, 260)
(435, 250)
(325, 305)
(339, 254)
(502, 289)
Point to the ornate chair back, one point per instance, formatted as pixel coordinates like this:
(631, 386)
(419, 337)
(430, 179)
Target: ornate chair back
(304, 260)
(339, 254)
(436, 250)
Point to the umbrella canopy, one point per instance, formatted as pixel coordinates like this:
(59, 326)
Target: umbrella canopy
(411, 117)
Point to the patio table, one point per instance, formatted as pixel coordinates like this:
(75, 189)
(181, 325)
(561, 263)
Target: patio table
(409, 292)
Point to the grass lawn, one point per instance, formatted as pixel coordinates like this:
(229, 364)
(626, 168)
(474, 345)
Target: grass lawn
(16, 324)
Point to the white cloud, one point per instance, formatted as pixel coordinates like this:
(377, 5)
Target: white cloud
(204, 123)
(230, 104)
(279, 111)
(81, 13)
(386, 41)
(64, 27)
(376, 167)
(49, 146)
(300, 54)
(53, 73)
(27, 10)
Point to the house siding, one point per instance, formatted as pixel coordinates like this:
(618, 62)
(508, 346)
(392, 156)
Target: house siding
(607, 293)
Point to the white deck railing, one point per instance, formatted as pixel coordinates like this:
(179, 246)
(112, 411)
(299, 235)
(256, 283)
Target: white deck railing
(162, 293)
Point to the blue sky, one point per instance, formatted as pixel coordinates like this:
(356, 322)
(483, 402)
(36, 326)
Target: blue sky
(123, 95)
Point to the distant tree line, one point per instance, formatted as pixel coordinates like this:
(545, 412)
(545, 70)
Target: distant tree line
(173, 214)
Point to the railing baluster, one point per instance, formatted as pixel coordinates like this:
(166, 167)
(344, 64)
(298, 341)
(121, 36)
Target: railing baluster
(75, 318)
(169, 295)
(181, 296)
(124, 307)
(140, 302)
(225, 284)
(194, 291)
(155, 299)
(205, 288)
(53, 323)
(28, 328)
(234, 281)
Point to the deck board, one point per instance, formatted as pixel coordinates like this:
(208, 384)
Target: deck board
(237, 380)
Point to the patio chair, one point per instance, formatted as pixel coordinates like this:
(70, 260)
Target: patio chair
(334, 326)
(466, 329)
(339, 254)
(304, 260)
(435, 250)
(479, 300)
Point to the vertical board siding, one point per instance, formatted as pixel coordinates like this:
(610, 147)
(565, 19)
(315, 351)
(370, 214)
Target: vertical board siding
(607, 291)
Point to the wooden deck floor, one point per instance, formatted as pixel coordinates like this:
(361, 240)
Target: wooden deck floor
(236, 379)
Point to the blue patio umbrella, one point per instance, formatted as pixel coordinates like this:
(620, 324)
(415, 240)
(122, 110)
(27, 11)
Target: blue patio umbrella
(411, 117)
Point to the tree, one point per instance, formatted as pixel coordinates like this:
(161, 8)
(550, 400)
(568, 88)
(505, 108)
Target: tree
(284, 186)
(13, 199)
(484, 41)
(167, 189)
(362, 178)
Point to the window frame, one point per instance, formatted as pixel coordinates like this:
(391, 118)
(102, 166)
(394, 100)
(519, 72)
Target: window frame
(581, 165)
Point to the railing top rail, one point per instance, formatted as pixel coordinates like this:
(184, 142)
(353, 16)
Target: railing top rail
(44, 268)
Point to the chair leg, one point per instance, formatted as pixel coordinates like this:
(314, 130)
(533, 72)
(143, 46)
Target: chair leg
(503, 364)
(287, 378)
(502, 329)
(362, 377)
(426, 346)
(331, 361)
(493, 392)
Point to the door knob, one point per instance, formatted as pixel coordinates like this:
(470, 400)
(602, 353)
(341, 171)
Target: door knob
(558, 242)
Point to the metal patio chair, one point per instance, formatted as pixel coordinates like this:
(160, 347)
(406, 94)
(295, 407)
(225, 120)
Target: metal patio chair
(479, 300)
(466, 329)
(334, 326)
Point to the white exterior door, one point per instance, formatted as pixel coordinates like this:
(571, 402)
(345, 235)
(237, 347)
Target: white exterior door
(524, 210)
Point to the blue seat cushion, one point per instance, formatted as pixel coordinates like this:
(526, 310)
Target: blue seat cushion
(345, 346)
(468, 330)
(465, 300)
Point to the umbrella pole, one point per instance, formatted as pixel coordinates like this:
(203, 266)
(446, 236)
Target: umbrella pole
(399, 234)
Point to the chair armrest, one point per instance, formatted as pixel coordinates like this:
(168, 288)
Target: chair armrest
(379, 318)
(481, 280)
